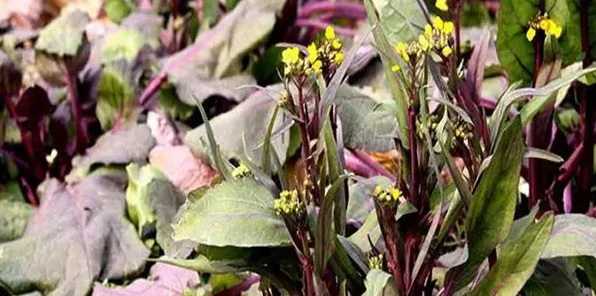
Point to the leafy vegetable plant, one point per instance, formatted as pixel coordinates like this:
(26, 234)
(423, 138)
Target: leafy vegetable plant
(300, 148)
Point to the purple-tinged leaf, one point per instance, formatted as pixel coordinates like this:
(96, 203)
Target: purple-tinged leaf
(164, 279)
(78, 235)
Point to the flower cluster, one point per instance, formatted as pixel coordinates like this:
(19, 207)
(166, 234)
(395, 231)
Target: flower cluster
(241, 172)
(462, 130)
(375, 262)
(430, 123)
(542, 22)
(435, 38)
(288, 203)
(317, 57)
(389, 196)
(441, 5)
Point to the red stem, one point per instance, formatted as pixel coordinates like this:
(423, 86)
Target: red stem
(322, 25)
(350, 10)
(581, 204)
(81, 138)
(413, 157)
(535, 174)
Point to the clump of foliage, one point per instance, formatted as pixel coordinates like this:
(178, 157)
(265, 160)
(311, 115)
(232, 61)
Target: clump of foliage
(300, 148)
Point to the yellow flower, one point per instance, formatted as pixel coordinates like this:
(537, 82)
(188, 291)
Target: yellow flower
(438, 23)
(336, 44)
(530, 34)
(290, 56)
(402, 49)
(441, 5)
(557, 30)
(395, 193)
(395, 68)
(313, 55)
(316, 66)
(339, 57)
(329, 33)
(448, 27)
(428, 30)
(424, 43)
(241, 172)
(446, 51)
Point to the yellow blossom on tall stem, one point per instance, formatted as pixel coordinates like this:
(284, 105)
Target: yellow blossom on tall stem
(441, 5)
(290, 56)
(329, 33)
(313, 54)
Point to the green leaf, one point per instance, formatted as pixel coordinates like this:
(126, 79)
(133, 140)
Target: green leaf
(234, 213)
(588, 265)
(77, 235)
(389, 58)
(570, 42)
(64, 35)
(14, 217)
(553, 277)
(515, 52)
(510, 97)
(360, 203)
(379, 283)
(148, 24)
(401, 20)
(137, 195)
(572, 235)
(248, 120)
(210, 11)
(115, 97)
(517, 260)
(117, 10)
(124, 44)
(204, 265)
(542, 154)
(366, 123)
(490, 215)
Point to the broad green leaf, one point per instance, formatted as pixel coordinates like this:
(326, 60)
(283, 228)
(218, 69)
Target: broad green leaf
(517, 260)
(148, 24)
(165, 200)
(360, 203)
(515, 52)
(234, 213)
(572, 235)
(553, 277)
(117, 10)
(11, 190)
(164, 279)
(379, 283)
(571, 42)
(490, 214)
(78, 235)
(401, 20)
(115, 97)
(366, 123)
(14, 217)
(64, 35)
(204, 265)
(588, 265)
(138, 202)
(124, 44)
(248, 120)
(210, 11)
(389, 59)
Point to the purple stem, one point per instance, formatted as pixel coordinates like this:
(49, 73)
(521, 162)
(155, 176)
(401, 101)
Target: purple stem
(340, 9)
(378, 169)
(81, 138)
(322, 25)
